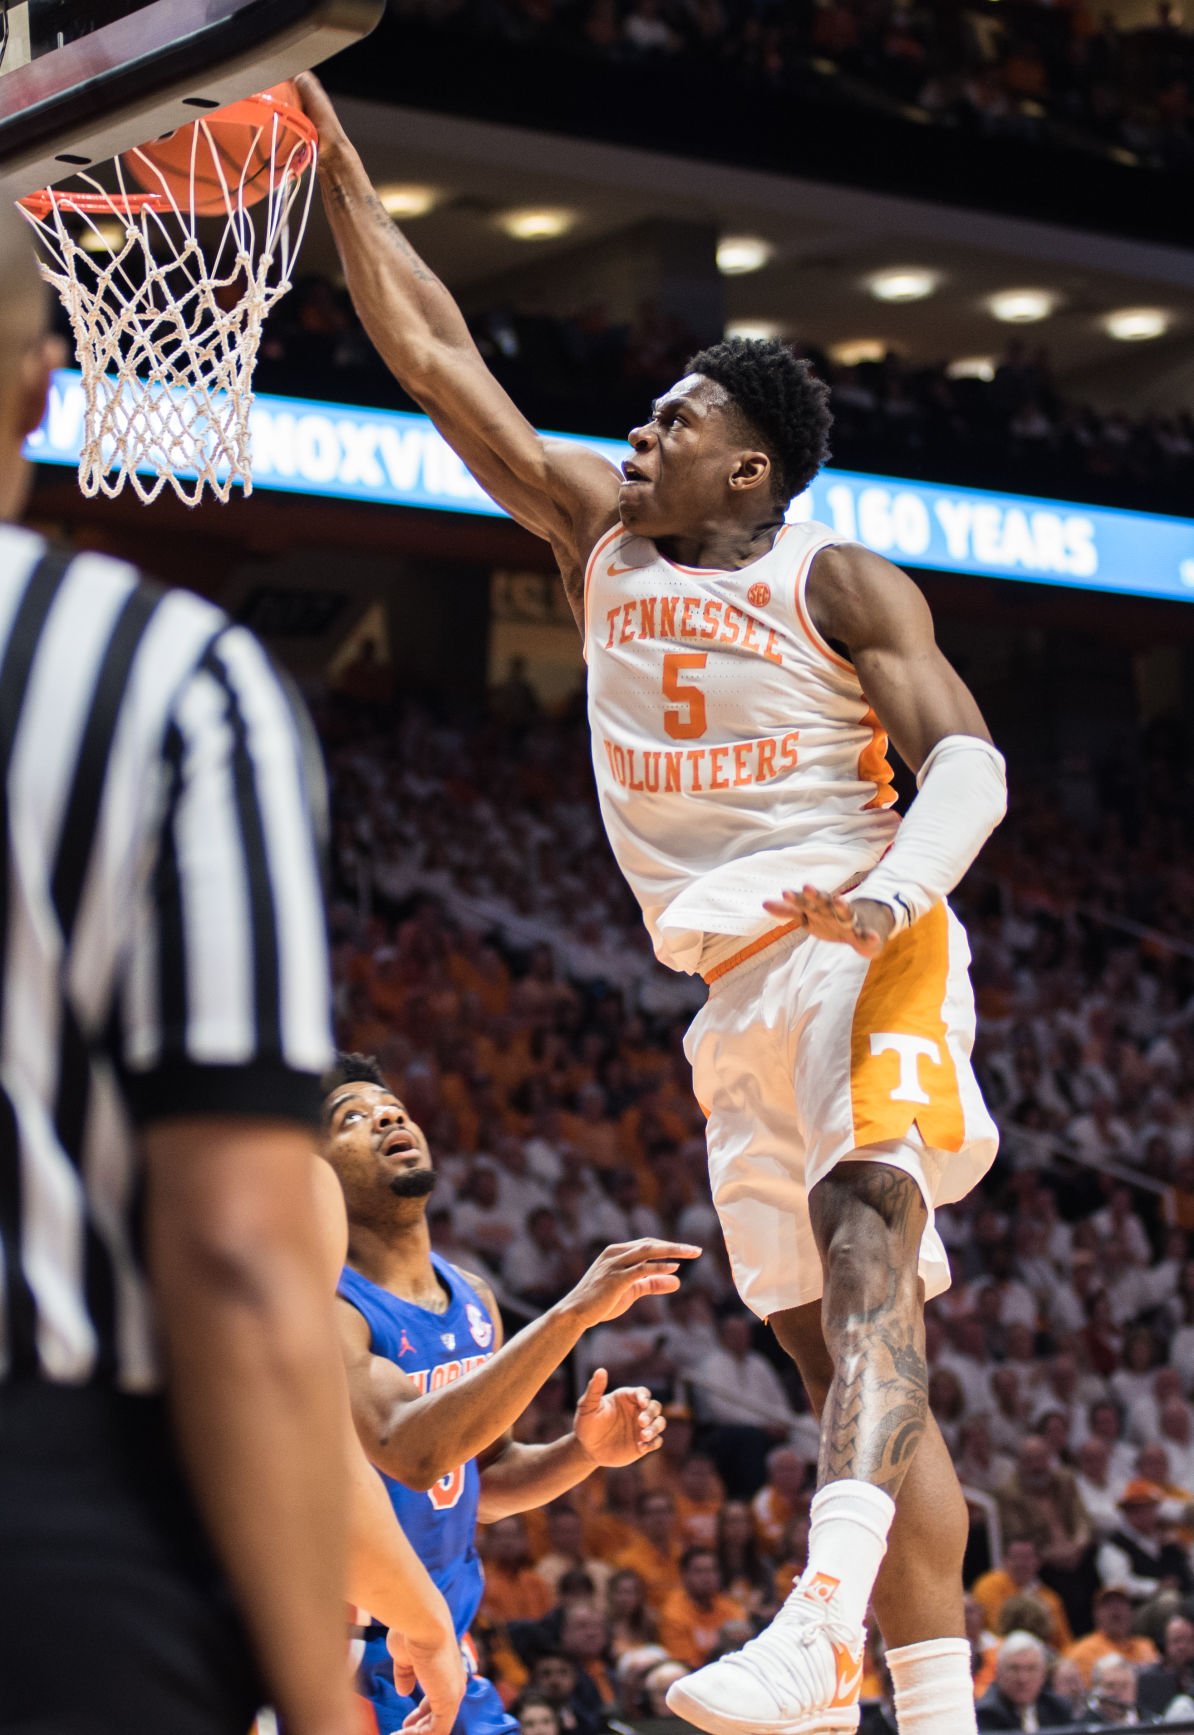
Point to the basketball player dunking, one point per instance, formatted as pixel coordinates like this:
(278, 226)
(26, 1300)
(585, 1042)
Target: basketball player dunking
(743, 678)
(411, 1324)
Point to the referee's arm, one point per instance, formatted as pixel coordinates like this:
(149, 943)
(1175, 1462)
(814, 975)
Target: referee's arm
(226, 1031)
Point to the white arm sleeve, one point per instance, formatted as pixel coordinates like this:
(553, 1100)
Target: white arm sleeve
(962, 797)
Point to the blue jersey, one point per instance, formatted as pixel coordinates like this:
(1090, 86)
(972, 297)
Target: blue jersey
(433, 1349)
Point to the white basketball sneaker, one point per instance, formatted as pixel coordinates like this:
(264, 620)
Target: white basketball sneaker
(801, 1676)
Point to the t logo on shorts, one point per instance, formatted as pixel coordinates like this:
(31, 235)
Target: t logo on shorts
(910, 1049)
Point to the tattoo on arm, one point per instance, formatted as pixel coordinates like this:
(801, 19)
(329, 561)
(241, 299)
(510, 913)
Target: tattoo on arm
(380, 218)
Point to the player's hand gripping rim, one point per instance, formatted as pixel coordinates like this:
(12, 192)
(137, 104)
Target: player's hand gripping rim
(861, 923)
(334, 143)
(624, 1274)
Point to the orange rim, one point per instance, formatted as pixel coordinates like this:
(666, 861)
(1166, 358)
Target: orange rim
(94, 204)
(296, 149)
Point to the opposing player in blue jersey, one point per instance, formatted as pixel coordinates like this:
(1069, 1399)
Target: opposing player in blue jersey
(434, 1392)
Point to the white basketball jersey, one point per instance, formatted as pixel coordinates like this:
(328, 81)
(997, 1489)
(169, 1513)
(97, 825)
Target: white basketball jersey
(734, 751)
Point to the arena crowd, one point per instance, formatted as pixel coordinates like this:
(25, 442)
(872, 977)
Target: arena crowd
(1066, 75)
(487, 951)
(589, 373)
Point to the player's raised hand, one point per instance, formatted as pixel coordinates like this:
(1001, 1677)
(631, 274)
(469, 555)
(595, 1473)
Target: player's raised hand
(860, 923)
(620, 1427)
(623, 1274)
(433, 1662)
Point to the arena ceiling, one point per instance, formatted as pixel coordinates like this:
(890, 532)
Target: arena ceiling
(826, 243)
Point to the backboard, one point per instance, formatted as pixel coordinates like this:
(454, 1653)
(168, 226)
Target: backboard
(83, 80)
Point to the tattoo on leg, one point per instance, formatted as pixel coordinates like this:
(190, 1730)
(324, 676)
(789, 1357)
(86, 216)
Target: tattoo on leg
(868, 1220)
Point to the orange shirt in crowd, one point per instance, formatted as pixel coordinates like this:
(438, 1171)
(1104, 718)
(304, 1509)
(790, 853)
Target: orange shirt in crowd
(696, 1520)
(607, 1535)
(506, 1670)
(596, 1141)
(456, 1096)
(597, 1672)
(772, 1515)
(492, 987)
(588, 1497)
(689, 1632)
(515, 1596)
(984, 1675)
(552, 1567)
(1085, 1653)
(993, 1589)
(658, 1571)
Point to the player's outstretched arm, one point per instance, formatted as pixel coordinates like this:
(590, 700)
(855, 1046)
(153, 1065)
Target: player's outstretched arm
(558, 490)
(418, 1438)
(385, 1575)
(609, 1429)
(862, 602)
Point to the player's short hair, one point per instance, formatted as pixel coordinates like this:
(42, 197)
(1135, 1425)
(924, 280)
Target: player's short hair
(352, 1069)
(781, 399)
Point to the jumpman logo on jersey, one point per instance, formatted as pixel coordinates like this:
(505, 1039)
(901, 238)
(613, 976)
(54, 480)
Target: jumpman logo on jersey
(405, 1346)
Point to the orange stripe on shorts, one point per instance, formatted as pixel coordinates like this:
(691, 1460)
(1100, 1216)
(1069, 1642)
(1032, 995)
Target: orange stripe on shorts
(901, 1070)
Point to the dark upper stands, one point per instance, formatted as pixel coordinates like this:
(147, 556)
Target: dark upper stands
(587, 375)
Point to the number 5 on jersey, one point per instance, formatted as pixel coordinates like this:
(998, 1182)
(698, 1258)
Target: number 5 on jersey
(684, 716)
(446, 1493)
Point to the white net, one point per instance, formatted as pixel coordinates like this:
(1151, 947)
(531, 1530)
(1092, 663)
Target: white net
(167, 325)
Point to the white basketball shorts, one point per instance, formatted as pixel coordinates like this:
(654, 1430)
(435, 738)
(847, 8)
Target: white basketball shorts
(806, 1055)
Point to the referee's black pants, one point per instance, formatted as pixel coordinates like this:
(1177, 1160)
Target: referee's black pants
(114, 1616)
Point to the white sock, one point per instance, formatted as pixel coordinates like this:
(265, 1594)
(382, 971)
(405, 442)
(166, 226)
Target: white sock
(847, 1540)
(934, 1689)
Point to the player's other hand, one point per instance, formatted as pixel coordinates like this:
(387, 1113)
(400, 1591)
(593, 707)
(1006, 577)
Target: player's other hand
(623, 1274)
(434, 1662)
(616, 1428)
(859, 922)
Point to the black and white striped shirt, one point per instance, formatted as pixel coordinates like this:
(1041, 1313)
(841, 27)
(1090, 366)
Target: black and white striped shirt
(162, 940)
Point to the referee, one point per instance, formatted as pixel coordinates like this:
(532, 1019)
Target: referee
(172, 1532)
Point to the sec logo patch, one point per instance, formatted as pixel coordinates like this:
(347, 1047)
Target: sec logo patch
(479, 1326)
(759, 595)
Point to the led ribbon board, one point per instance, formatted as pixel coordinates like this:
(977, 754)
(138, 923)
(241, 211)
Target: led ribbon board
(392, 458)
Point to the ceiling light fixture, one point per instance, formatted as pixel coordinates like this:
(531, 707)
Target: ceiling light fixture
(738, 254)
(402, 200)
(1022, 306)
(1136, 324)
(858, 349)
(534, 223)
(905, 283)
(754, 328)
(972, 367)
(103, 236)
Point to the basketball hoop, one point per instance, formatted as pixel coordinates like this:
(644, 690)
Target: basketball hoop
(167, 326)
